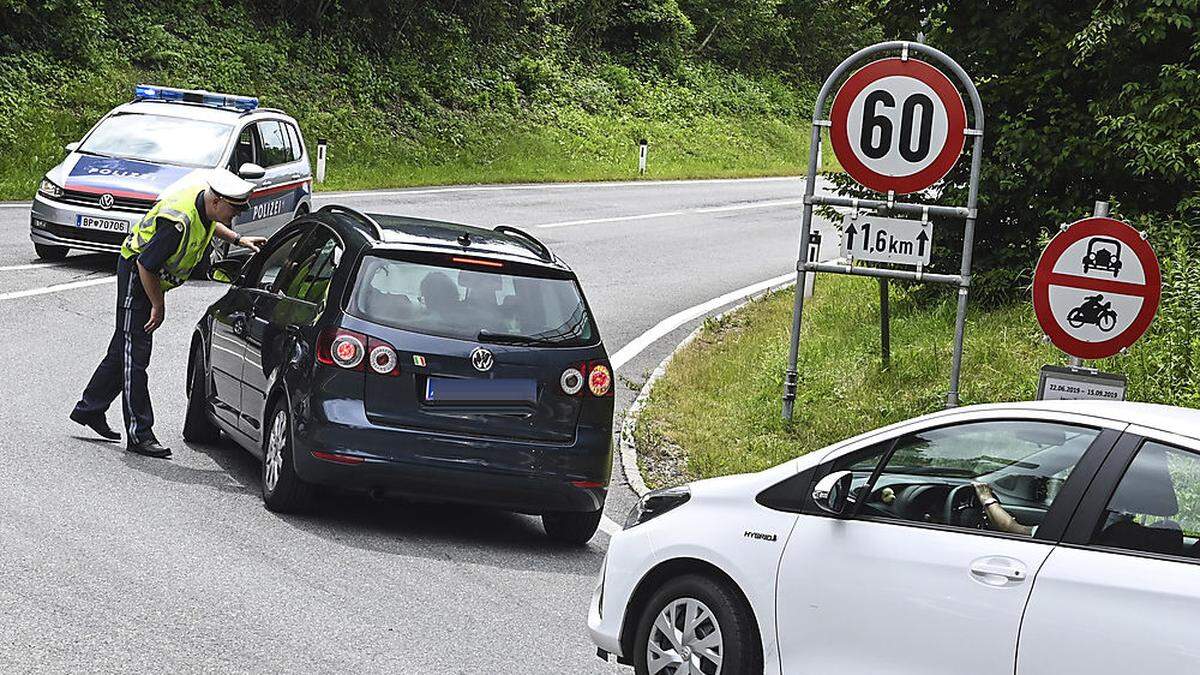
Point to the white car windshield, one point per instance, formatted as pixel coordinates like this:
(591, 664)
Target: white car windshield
(159, 138)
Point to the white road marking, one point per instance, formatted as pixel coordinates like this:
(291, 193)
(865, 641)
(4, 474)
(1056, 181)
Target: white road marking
(641, 342)
(58, 287)
(754, 205)
(614, 219)
(662, 328)
(28, 266)
(667, 214)
(16, 205)
(550, 186)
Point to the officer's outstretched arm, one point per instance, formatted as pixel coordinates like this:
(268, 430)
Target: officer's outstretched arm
(154, 292)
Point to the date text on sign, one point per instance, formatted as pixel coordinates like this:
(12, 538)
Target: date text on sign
(887, 240)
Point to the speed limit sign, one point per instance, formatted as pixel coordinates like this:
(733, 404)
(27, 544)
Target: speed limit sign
(898, 125)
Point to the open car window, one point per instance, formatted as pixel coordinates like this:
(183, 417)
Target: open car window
(929, 476)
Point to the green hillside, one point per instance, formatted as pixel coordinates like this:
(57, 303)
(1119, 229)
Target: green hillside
(442, 92)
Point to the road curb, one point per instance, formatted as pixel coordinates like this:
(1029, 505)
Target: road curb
(627, 442)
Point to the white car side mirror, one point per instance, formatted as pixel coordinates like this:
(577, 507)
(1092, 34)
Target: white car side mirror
(832, 493)
(250, 171)
(72, 146)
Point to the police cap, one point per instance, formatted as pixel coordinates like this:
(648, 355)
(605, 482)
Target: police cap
(229, 187)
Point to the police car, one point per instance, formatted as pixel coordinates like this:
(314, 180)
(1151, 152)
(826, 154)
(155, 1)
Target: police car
(164, 138)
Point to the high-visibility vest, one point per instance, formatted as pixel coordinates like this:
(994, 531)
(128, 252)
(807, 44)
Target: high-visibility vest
(179, 207)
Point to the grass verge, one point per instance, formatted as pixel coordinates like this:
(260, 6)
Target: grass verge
(716, 411)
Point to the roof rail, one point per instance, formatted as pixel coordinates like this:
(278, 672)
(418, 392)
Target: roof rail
(531, 241)
(262, 110)
(357, 215)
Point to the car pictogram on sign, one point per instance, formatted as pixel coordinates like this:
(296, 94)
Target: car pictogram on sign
(1096, 288)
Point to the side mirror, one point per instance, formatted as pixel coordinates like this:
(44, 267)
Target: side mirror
(72, 146)
(227, 270)
(832, 493)
(251, 171)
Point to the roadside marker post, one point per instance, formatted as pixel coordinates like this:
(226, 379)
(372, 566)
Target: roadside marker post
(1096, 290)
(643, 146)
(322, 144)
(898, 125)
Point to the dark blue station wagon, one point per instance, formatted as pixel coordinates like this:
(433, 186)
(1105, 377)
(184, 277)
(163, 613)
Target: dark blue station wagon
(417, 357)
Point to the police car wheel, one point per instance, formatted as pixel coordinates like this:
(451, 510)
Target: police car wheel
(198, 427)
(48, 252)
(282, 489)
(572, 528)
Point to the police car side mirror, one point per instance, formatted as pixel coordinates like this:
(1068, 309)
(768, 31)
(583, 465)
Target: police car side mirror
(71, 147)
(251, 171)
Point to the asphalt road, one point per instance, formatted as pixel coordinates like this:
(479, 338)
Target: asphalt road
(111, 561)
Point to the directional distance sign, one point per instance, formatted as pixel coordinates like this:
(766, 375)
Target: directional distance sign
(898, 125)
(1096, 288)
(889, 240)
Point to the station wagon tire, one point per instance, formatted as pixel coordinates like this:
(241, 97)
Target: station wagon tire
(283, 491)
(198, 427)
(49, 252)
(572, 528)
(721, 640)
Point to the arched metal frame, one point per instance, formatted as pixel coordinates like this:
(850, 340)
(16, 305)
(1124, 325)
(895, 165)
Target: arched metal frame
(890, 205)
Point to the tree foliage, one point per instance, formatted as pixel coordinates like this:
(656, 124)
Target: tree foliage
(1084, 101)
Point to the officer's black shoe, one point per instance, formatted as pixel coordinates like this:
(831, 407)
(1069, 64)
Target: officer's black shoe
(150, 448)
(96, 423)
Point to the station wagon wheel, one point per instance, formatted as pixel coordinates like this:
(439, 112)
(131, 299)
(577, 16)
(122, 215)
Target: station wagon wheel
(198, 427)
(283, 491)
(696, 625)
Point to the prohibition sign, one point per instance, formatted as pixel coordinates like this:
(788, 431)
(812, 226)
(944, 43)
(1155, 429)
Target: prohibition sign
(1096, 288)
(898, 125)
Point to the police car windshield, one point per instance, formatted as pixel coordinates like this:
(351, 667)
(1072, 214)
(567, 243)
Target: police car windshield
(471, 304)
(159, 138)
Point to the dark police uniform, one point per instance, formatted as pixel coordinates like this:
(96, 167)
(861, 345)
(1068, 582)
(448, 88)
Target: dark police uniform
(123, 370)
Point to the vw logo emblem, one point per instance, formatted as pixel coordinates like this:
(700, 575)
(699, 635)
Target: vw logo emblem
(481, 359)
(106, 201)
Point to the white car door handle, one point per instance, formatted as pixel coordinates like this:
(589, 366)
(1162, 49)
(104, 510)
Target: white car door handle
(998, 571)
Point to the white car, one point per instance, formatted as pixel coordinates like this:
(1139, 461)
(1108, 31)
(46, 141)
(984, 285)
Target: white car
(875, 555)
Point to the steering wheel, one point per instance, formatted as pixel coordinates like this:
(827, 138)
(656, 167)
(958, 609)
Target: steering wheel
(963, 508)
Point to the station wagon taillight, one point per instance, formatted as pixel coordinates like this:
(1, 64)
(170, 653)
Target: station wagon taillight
(354, 351)
(597, 376)
(599, 380)
(343, 348)
(571, 381)
(383, 357)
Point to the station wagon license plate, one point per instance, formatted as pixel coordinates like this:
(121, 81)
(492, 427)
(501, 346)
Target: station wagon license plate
(450, 391)
(106, 224)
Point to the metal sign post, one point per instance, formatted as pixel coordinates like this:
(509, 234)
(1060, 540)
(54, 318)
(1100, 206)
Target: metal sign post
(897, 125)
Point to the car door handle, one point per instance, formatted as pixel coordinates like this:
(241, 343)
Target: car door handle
(992, 569)
(265, 183)
(297, 175)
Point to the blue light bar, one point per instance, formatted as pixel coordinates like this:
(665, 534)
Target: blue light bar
(150, 92)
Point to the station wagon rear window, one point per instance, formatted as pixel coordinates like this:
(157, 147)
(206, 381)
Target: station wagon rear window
(159, 138)
(470, 304)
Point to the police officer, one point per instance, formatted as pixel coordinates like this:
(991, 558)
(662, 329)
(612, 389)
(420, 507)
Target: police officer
(158, 255)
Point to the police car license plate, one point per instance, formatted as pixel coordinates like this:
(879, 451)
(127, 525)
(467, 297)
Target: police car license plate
(107, 224)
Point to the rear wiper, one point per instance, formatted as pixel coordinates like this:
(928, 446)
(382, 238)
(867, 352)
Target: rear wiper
(510, 338)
